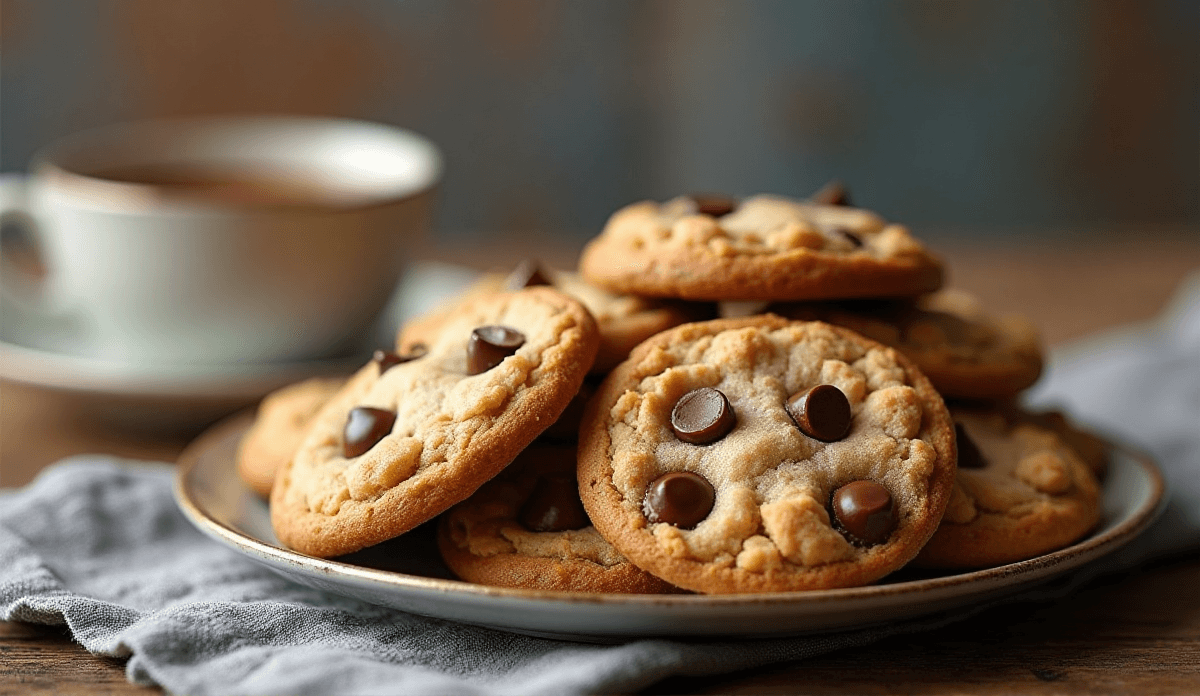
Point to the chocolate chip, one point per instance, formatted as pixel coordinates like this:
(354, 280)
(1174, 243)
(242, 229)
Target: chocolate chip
(864, 510)
(822, 412)
(490, 345)
(702, 416)
(833, 193)
(715, 205)
(554, 506)
(365, 426)
(969, 456)
(850, 236)
(526, 275)
(680, 498)
(387, 360)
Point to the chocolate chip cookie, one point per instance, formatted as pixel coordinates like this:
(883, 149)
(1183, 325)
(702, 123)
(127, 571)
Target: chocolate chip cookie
(762, 454)
(1021, 491)
(279, 426)
(1091, 448)
(623, 320)
(760, 248)
(412, 435)
(964, 350)
(527, 528)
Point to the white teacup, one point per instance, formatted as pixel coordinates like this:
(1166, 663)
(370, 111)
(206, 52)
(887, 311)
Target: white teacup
(216, 240)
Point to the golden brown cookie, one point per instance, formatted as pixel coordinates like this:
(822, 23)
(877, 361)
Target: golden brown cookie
(1020, 492)
(624, 320)
(761, 248)
(1091, 448)
(398, 446)
(965, 351)
(763, 455)
(279, 427)
(527, 528)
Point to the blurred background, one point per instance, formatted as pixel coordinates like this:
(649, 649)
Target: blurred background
(959, 118)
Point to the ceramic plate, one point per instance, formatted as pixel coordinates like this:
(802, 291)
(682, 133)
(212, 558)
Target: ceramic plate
(407, 573)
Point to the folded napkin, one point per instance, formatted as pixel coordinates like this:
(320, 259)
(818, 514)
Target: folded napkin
(97, 544)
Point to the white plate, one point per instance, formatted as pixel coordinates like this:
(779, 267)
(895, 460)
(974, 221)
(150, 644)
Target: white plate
(406, 573)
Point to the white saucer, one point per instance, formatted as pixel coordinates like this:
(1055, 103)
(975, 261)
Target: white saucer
(43, 355)
(54, 355)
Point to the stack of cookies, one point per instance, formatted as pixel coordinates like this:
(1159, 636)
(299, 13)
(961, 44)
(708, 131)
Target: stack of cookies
(727, 396)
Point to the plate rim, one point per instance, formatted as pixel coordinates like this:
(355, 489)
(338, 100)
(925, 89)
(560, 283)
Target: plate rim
(1137, 520)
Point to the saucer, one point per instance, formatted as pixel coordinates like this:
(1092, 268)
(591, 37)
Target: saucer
(152, 396)
(53, 355)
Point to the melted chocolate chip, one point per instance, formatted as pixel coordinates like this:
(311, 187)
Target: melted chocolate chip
(702, 416)
(969, 456)
(822, 412)
(864, 511)
(554, 506)
(387, 360)
(490, 345)
(365, 426)
(714, 204)
(680, 498)
(527, 274)
(833, 193)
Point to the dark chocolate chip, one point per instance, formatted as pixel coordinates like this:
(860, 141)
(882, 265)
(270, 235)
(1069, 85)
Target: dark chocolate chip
(365, 426)
(850, 236)
(388, 360)
(864, 510)
(969, 456)
(702, 416)
(822, 412)
(833, 193)
(490, 345)
(715, 205)
(554, 506)
(527, 274)
(680, 498)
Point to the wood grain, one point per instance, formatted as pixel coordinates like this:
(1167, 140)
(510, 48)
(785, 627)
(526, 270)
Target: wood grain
(38, 659)
(1136, 634)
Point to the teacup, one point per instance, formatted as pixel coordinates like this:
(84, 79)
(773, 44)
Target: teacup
(217, 240)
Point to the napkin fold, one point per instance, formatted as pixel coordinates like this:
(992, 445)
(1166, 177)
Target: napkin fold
(97, 544)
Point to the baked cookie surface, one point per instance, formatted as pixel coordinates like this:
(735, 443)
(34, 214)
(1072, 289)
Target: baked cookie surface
(278, 429)
(761, 455)
(761, 248)
(527, 528)
(623, 320)
(403, 441)
(1091, 448)
(964, 350)
(1021, 491)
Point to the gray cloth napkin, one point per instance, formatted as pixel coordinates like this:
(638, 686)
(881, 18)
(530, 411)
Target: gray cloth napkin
(97, 544)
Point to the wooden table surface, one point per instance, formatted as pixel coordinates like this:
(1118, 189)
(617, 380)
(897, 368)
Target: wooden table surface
(1135, 633)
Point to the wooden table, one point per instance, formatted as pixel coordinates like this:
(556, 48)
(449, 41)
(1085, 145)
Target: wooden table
(1137, 633)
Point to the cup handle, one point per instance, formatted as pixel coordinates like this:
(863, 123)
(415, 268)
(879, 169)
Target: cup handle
(24, 271)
